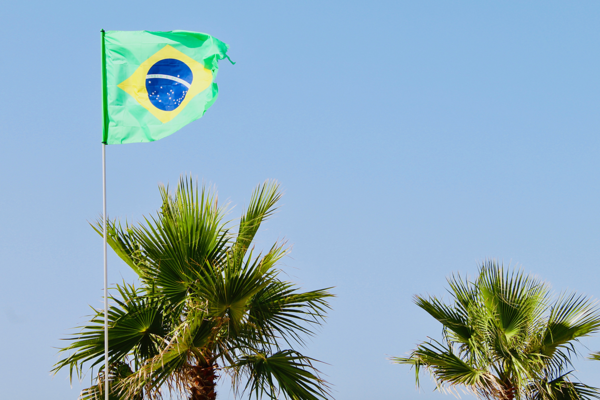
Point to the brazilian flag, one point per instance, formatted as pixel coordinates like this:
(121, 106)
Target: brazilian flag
(154, 83)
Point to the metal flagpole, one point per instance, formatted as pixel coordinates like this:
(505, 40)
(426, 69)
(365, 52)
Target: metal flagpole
(104, 225)
(105, 273)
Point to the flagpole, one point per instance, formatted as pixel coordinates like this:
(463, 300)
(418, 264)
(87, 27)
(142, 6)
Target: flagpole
(104, 225)
(104, 234)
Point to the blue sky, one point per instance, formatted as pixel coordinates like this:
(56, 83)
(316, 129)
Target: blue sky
(413, 140)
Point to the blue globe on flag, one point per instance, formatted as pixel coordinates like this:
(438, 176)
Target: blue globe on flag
(167, 83)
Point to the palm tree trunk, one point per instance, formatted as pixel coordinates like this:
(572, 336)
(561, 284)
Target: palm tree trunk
(510, 393)
(203, 379)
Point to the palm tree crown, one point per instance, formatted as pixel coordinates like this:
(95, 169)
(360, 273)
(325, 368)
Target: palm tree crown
(504, 337)
(207, 305)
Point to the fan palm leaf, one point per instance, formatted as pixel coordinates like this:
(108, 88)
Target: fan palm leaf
(287, 372)
(505, 338)
(208, 302)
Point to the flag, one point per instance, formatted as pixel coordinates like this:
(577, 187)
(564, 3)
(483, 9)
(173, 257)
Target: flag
(155, 83)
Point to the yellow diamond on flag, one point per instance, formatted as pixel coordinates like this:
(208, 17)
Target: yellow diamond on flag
(165, 83)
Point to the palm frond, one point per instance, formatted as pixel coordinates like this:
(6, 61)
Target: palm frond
(123, 244)
(464, 293)
(135, 329)
(182, 239)
(561, 388)
(262, 206)
(171, 365)
(208, 303)
(572, 317)
(118, 371)
(516, 300)
(448, 316)
(285, 372)
(228, 289)
(448, 369)
(504, 337)
(279, 310)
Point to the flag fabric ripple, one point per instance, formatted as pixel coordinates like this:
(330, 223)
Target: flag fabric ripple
(154, 83)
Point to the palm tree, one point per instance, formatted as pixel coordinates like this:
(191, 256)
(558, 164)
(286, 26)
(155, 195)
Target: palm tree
(207, 305)
(504, 337)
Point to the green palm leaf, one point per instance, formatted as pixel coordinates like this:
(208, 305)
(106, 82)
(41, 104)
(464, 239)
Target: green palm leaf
(561, 388)
(452, 319)
(287, 372)
(505, 337)
(280, 310)
(118, 372)
(262, 206)
(135, 328)
(448, 369)
(570, 318)
(208, 302)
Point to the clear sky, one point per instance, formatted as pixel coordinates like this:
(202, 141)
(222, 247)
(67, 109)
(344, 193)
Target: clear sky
(413, 140)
